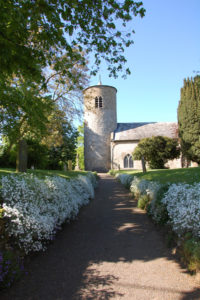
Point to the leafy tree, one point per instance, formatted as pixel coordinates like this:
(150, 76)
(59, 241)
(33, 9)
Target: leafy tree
(47, 153)
(60, 155)
(189, 119)
(66, 93)
(26, 118)
(21, 96)
(80, 147)
(8, 154)
(156, 151)
(35, 35)
(32, 106)
(37, 154)
(32, 32)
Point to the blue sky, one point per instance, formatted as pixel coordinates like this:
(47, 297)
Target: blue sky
(166, 50)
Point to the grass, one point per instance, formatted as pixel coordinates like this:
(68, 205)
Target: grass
(186, 175)
(43, 173)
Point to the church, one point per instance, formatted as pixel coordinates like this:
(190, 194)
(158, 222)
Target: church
(108, 144)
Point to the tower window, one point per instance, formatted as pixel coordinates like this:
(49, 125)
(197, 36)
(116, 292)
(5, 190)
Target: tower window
(128, 162)
(98, 102)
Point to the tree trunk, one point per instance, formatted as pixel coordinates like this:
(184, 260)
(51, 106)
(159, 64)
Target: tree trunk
(77, 168)
(22, 156)
(143, 165)
(70, 165)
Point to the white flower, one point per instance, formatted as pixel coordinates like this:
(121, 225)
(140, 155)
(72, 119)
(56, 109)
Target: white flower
(183, 205)
(36, 208)
(124, 178)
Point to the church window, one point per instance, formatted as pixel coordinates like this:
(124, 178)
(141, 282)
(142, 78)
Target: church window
(128, 162)
(98, 102)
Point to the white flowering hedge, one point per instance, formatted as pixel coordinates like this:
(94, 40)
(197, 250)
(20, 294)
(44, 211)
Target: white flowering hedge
(179, 204)
(35, 208)
(125, 179)
(183, 206)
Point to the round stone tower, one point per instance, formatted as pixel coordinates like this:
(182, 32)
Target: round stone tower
(100, 119)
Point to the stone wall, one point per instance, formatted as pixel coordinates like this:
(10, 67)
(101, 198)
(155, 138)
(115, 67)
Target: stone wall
(174, 164)
(119, 149)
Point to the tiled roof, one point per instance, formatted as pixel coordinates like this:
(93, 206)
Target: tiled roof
(138, 131)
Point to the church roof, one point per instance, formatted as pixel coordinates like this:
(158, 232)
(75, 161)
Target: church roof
(138, 131)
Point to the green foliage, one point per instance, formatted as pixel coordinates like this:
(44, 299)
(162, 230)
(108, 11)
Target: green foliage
(143, 201)
(8, 155)
(29, 108)
(59, 155)
(80, 147)
(32, 32)
(157, 209)
(24, 116)
(24, 111)
(156, 151)
(37, 154)
(45, 154)
(113, 172)
(188, 119)
(1, 213)
(42, 64)
(190, 251)
(96, 175)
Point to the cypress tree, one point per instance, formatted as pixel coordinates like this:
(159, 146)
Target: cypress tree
(189, 119)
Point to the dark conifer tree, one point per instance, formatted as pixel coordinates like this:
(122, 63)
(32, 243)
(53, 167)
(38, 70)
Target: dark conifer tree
(189, 119)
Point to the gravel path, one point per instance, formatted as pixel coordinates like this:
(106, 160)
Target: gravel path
(112, 251)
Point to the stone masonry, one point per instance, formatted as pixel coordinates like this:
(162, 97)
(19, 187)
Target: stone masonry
(99, 122)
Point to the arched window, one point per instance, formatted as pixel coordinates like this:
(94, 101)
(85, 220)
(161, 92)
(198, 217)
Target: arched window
(98, 102)
(128, 162)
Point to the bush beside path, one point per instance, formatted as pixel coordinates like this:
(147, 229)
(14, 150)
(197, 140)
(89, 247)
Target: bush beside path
(112, 251)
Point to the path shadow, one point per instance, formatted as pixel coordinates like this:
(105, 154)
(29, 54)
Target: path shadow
(193, 295)
(96, 286)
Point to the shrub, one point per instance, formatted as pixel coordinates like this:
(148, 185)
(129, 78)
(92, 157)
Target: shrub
(125, 179)
(35, 208)
(112, 172)
(156, 209)
(183, 206)
(134, 187)
(149, 195)
(190, 251)
(156, 150)
(143, 201)
(142, 187)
